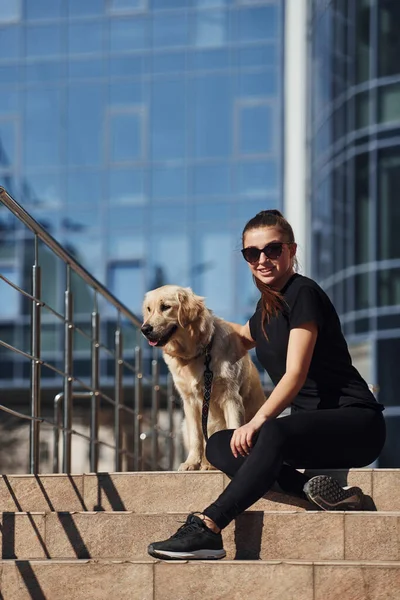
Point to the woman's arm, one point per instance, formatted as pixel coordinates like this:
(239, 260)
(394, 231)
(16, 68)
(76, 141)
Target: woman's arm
(300, 350)
(243, 332)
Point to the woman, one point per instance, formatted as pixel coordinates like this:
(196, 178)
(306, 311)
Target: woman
(335, 421)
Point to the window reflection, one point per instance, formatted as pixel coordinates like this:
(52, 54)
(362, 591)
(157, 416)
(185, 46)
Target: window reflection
(216, 280)
(167, 62)
(9, 101)
(9, 41)
(87, 251)
(212, 104)
(211, 28)
(168, 119)
(389, 38)
(85, 69)
(362, 284)
(128, 34)
(7, 144)
(10, 11)
(362, 20)
(213, 213)
(43, 190)
(85, 124)
(259, 84)
(126, 136)
(77, 8)
(170, 30)
(85, 37)
(170, 263)
(126, 279)
(126, 217)
(389, 103)
(258, 56)
(9, 74)
(124, 247)
(169, 183)
(84, 188)
(211, 180)
(10, 298)
(44, 40)
(255, 129)
(127, 187)
(42, 127)
(126, 6)
(126, 66)
(389, 206)
(173, 216)
(43, 9)
(257, 178)
(123, 93)
(48, 71)
(217, 58)
(258, 23)
(389, 287)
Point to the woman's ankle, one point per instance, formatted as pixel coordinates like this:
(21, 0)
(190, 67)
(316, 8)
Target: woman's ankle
(210, 523)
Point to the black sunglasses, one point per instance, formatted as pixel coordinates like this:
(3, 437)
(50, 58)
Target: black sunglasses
(272, 251)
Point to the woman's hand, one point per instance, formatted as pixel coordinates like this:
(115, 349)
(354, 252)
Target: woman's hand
(242, 439)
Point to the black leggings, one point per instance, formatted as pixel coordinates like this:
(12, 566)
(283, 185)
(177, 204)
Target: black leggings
(338, 438)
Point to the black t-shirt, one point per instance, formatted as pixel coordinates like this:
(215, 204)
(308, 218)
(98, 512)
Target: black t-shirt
(332, 380)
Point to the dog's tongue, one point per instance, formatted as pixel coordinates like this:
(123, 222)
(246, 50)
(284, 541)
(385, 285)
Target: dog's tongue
(152, 343)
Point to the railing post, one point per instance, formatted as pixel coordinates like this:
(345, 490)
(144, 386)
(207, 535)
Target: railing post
(56, 432)
(35, 367)
(118, 394)
(137, 425)
(171, 407)
(95, 401)
(68, 341)
(155, 402)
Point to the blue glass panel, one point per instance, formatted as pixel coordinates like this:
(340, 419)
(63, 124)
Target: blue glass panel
(85, 37)
(9, 101)
(44, 40)
(168, 62)
(87, 251)
(126, 246)
(257, 178)
(211, 98)
(126, 66)
(7, 144)
(259, 84)
(86, 69)
(43, 190)
(9, 11)
(128, 34)
(9, 74)
(81, 221)
(170, 260)
(127, 217)
(125, 93)
(258, 56)
(84, 188)
(43, 9)
(127, 187)
(211, 3)
(168, 122)
(10, 298)
(170, 3)
(125, 6)
(38, 72)
(49, 219)
(256, 129)
(126, 140)
(211, 180)
(213, 213)
(10, 42)
(170, 30)
(258, 23)
(77, 8)
(42, 128)
(217, 279)
(244, 211)
(85, 125)
(210, 59)
(126, 281)
(173, 216)
(210, 28)
(169, 182)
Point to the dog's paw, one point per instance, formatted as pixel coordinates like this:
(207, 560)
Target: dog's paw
(206, 466)
(189, 466)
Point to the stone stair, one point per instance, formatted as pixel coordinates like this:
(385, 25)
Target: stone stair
(85, 536)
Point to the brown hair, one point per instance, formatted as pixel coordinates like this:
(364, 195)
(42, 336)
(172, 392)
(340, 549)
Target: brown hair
(272, 301)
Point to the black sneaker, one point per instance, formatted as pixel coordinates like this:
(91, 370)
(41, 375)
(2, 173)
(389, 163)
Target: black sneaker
(328, 494)
(193, 541)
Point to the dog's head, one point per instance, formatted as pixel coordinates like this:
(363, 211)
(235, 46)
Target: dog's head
(168, 309)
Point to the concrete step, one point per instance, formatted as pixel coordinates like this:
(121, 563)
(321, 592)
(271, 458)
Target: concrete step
(150, 492)
(253, 535)
(223, 580)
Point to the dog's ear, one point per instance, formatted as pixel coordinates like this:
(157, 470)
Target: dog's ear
(191, 307)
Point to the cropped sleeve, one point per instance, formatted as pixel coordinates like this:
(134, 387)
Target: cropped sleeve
(307, 307)
(255, 321)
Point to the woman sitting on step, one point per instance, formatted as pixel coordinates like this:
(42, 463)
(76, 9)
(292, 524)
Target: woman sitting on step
(335, 421)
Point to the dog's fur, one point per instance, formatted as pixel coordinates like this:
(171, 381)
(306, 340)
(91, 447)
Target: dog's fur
(178, 320)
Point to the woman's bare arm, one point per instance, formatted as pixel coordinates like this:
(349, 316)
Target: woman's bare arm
(300, 350)
(244, 333)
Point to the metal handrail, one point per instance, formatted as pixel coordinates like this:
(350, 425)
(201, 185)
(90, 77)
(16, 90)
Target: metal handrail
(92, 392)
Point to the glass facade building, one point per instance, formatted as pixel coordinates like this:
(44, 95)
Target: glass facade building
(142, 134)
(354, 133)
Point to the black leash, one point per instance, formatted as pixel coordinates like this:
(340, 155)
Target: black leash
(208, 377)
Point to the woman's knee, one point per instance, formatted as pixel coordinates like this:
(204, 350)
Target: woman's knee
(218, 448)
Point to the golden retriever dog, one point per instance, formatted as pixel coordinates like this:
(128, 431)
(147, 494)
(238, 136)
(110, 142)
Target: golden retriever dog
(179, 321)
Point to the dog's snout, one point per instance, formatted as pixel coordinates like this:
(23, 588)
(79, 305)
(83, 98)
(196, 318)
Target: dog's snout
(146, 329)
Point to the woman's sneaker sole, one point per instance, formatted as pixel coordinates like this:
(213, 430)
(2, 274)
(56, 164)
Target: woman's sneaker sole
(195, 555)
(328, 494)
